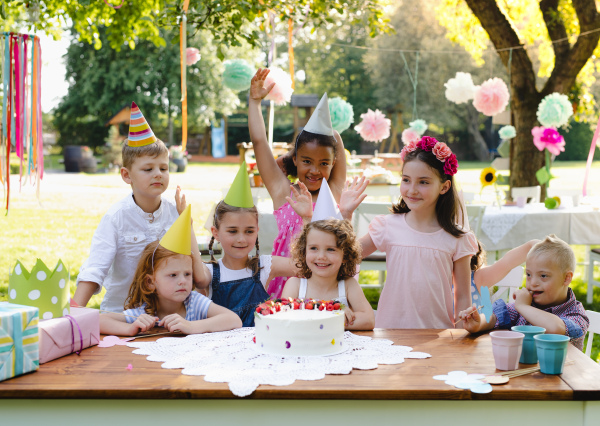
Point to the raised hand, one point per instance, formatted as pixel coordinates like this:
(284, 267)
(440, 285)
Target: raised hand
(258, 91)
(301, 201)
(352, 196)
(179, 200)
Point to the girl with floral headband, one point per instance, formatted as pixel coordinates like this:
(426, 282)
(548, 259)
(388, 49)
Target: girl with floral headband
(427, 253)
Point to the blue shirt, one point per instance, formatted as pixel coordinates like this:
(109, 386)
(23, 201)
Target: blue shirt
(196, 308)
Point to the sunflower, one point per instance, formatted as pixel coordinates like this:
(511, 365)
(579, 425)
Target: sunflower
(488, 176)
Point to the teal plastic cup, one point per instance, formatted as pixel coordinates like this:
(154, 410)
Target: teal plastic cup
(529, 352)
(552, 352)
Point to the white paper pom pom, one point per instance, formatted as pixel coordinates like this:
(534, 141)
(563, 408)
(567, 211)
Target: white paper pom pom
(460, 89)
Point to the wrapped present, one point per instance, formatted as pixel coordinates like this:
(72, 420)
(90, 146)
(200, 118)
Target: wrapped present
(71, 333)
(19, 349)
(42, 288)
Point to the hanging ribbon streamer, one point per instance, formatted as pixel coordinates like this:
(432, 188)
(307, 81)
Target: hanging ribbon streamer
(291, 50)
(182, 53)
(588, 165)
(413, 81)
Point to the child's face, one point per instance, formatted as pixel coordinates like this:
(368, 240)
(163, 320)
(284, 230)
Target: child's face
(172, 279)
(323, 257)
(546, 282)
(237, 234)
(421, 186)
(148, 176)
(314, 163)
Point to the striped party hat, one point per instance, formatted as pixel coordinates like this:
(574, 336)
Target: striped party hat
(140, 133)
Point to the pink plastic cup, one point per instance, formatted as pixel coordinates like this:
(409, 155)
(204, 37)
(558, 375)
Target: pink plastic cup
(507, 347)
(521, 201)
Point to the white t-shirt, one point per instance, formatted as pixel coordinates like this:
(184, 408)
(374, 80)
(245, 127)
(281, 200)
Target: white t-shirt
(232, 274)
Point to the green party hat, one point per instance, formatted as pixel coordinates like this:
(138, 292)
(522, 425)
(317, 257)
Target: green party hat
(240, 194)
(45, 289)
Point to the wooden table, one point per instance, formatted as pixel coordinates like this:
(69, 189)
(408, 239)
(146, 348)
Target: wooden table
(97, 388)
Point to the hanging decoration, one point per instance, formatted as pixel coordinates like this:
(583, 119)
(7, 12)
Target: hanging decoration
(237, 75)
(491, 97)
(507, 132)
(282, 92)
(21, 110)
(554, 110)
(410, 136)
(419, 126)
(460, 89)
(342, 114)
(183, 59)
(192, 55)
(374, 127)
(547, 139)
(588, 165)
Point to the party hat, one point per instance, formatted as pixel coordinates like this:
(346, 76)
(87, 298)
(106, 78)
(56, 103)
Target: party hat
(320, 120)
(240, 194)
(326, 207)
(140, 133)
(178, 238)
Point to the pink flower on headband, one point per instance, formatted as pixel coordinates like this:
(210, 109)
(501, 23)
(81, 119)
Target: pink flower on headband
(441, 151)
(451, 165)
(427, 143)
(408, 148)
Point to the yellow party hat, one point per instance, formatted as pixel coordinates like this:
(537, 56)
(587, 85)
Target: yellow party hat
(240, 194)
(178, 238)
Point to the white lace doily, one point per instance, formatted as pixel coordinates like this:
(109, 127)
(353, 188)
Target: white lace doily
(232, 357)
(497, 223)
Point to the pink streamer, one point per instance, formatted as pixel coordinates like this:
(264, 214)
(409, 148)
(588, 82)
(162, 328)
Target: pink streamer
(18, 106)
(591, 157)
(40, 145)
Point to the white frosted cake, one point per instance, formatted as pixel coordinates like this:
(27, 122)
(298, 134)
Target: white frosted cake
(300, 332)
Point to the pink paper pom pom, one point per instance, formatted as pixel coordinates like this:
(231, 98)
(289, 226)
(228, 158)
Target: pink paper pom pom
(548, 138)
(409, 135)
(374, 127)
(491, 97)
(192, 55)
(282, 92)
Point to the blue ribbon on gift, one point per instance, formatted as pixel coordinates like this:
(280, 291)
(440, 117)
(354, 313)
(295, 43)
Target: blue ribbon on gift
(18, 342)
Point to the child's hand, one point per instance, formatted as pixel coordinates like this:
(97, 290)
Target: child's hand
(301, 201)
(175, 323)
(179, 200)
(522, 297)
(350, 317)
(352, 196)
(471, 319)
(258, 91)
(144, 323)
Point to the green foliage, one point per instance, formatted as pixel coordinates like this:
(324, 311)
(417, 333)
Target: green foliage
(578, 138)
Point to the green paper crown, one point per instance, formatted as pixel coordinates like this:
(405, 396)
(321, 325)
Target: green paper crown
(240, 194)
(46, 290)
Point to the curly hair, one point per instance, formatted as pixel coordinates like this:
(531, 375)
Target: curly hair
(345, 239)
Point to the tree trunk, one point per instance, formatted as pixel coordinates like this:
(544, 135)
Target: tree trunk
(477, 144)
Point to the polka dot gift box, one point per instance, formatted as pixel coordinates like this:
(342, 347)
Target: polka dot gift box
(46, 290)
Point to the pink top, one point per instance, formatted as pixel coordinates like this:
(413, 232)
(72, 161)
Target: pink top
(289, 224)
(418, 289)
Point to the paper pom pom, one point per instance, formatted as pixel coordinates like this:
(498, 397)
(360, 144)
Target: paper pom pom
(419, 126)
(554, 110)
(237, 75)
(374, 127)
(507, 132)
(192, 55)
(460, 89)
(548, 138)
(342, 114)
(409, 135)
(282, 92)
(491, 97)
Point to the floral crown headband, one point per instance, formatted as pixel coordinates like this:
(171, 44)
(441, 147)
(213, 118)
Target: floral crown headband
(441, 151)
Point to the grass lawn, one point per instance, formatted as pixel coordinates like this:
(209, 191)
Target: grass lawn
(60, 225)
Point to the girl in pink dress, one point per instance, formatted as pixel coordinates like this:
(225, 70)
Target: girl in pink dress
(426, 251)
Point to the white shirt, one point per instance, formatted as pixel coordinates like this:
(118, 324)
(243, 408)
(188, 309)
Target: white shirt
(117, 245)
(233, 274)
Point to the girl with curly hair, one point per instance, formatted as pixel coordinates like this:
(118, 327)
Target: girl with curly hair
(326, 254)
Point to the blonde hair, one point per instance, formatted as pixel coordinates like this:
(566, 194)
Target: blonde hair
(220, 211)
(345, 239)
(130, 153)
(140, 292)
(560, 252)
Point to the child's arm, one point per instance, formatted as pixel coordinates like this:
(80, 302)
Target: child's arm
(352, 195)
(552, 323)
(490, 275)
(276, 182)
(218, 319)
(84, 292)
(113, 323)
(364, 317)
(337, 178)
(282, 267)
(367, 245)
(474, 323)
(291, 289)
(462, 284)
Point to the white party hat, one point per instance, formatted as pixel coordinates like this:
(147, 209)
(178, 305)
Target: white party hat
(326, 207)
(320, 120)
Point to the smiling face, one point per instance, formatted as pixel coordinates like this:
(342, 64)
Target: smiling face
(148, 176)
(323, 257)
(314, 163)
(546, 282)
(172, 280)
(421, 186)
(237, 234)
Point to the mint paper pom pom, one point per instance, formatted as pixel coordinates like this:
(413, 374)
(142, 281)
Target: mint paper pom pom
(419, 126)
(554, 110)
(342, 114)
(237, 75)
(507, 132)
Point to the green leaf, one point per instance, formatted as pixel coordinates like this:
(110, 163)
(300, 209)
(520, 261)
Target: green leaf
(543, 176)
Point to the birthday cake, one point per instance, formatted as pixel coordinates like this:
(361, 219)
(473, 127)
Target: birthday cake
(299, 327)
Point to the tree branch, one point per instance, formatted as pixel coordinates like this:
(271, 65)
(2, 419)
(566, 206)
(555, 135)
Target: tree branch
(556, 29)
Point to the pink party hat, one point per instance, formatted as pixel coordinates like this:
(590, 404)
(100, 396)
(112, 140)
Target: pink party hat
(140, 133)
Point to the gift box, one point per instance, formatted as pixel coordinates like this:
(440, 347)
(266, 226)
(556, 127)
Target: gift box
(71, 333)
(19, 348)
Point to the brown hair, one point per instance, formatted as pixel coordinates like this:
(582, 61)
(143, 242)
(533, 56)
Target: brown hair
(139, 291)
(560, 252)
(345, 239)
(130, 153)
(303, 138)
(220, 211)
(479, 258)
(447, 205)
